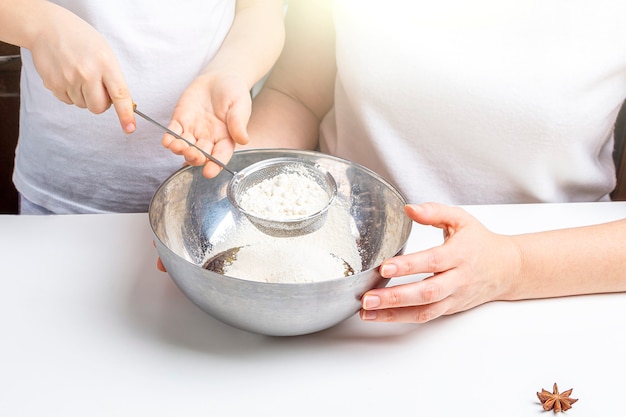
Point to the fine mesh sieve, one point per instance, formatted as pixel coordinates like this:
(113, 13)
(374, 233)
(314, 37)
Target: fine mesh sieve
(258, 172)
(306, 221)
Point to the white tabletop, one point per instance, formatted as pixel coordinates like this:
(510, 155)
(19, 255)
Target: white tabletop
(89, 327)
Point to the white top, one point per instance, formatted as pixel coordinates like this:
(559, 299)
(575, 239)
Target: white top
(91, 328)
(70, 160)
(484, 101)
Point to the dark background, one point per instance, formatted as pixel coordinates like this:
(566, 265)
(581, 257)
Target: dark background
(9, 121)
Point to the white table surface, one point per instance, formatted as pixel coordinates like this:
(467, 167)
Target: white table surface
(89, 327)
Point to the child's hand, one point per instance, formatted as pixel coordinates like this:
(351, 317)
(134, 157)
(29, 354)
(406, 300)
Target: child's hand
(213, 112)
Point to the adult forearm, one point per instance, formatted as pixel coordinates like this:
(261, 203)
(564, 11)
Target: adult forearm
(300, 90)
(590, 259)
(278, 120)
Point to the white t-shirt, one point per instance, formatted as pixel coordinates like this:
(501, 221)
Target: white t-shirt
(485, 101)
(70, 160)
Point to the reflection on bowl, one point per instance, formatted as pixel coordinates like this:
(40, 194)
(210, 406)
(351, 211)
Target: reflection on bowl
(272, 285)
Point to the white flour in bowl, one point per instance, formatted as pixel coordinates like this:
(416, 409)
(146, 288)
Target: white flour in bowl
(270, 263)
(285, 196)
(328, 253)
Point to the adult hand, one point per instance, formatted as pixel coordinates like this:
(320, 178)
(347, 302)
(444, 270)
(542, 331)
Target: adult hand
(473, 266)
(79, 67)
(213, 112)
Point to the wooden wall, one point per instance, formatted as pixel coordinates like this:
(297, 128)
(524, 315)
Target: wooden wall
(9, 117)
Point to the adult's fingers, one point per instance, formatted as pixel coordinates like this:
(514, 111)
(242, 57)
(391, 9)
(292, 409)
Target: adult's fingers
(427, 291)
(438, 215)
(415, 314)
(416, 302)
(160, 265)
(433, 260)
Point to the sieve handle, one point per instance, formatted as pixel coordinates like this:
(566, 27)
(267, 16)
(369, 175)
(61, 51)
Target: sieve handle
(177, 136)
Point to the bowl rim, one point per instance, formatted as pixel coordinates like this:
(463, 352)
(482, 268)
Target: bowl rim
(311, 153)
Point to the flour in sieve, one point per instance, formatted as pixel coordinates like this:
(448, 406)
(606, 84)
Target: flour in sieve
(285, 196)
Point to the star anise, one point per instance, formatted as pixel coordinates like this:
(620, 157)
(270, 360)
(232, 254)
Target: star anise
(556, 401)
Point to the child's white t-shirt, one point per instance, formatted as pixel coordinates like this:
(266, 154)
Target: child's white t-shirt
(69, 160)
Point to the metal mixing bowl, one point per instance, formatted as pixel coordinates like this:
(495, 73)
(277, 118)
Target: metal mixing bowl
(193, 222)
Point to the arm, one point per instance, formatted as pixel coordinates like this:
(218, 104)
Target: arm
(581, 260)
(216, 107)
(299, 91)
(475, 266)
(74, 61)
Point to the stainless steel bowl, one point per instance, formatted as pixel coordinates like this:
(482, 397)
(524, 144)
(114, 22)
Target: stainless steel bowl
(193, 221)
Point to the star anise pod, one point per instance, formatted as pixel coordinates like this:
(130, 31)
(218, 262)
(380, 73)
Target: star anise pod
(556, 401)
